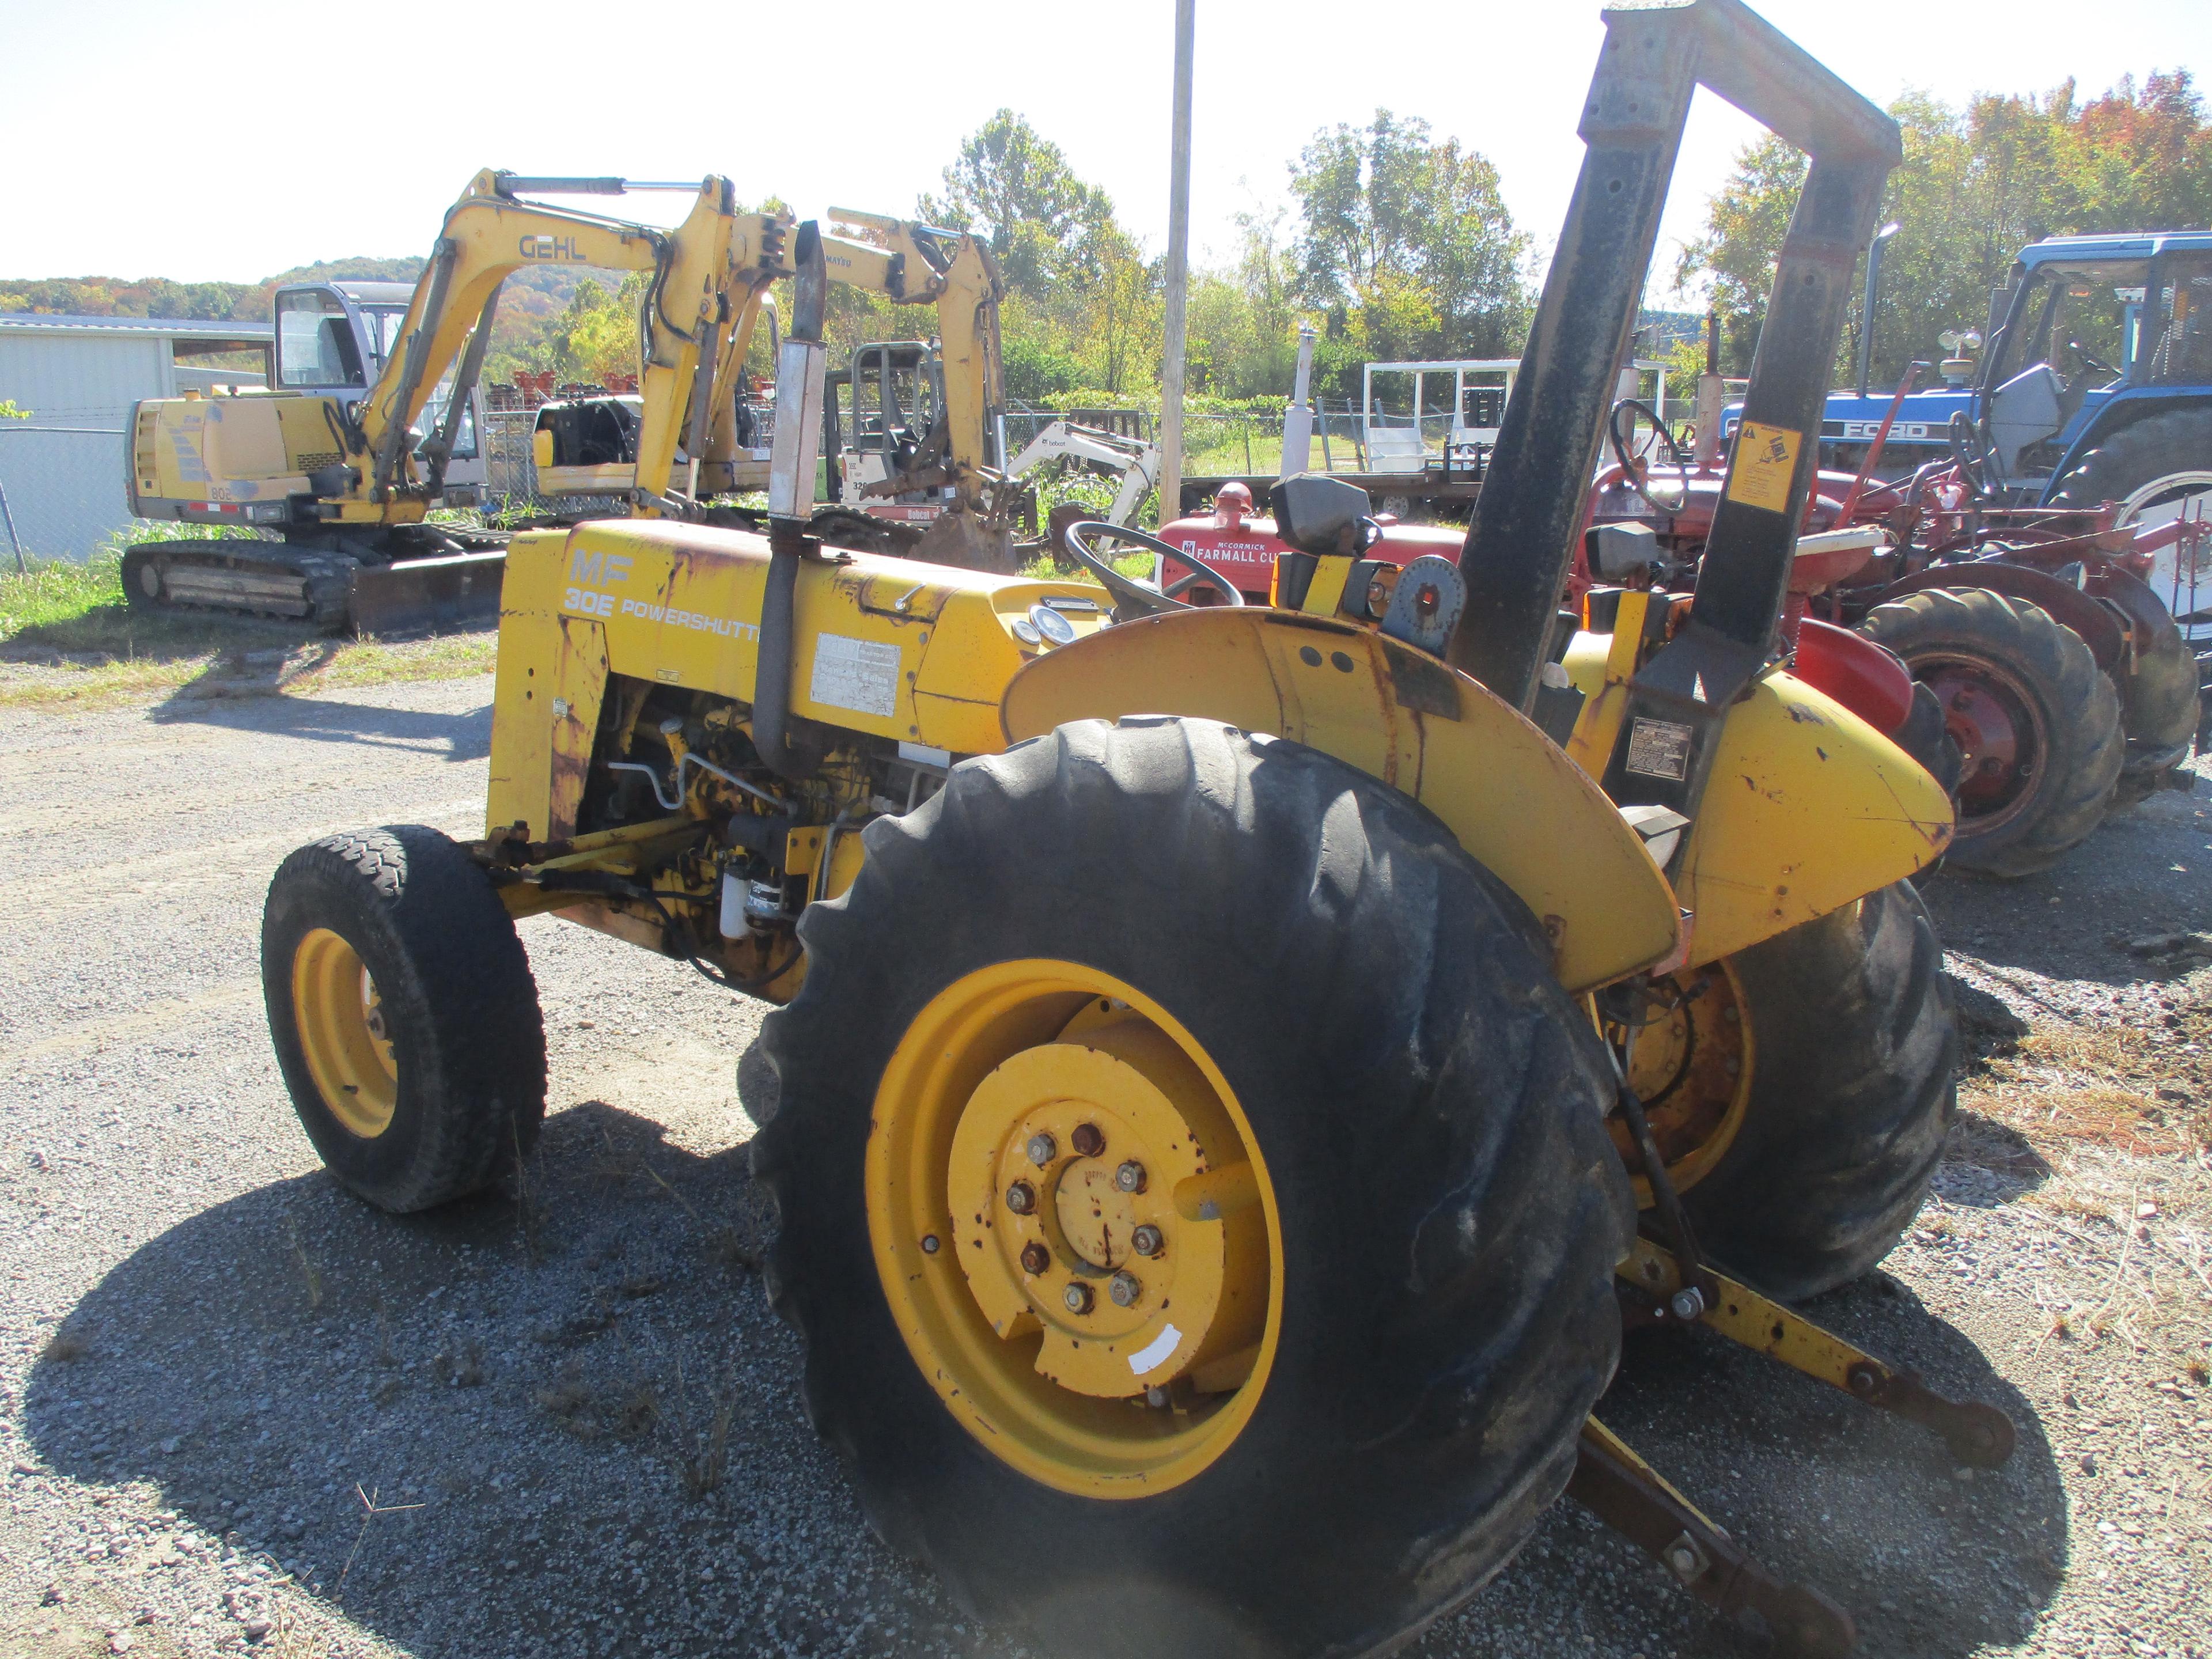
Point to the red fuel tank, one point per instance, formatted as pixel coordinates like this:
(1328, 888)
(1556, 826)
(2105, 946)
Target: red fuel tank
(1243, 548)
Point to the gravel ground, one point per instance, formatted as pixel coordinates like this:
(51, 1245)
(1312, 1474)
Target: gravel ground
(239, 1409)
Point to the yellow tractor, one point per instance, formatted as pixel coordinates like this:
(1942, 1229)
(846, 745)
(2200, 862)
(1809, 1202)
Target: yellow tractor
(1242, 1066)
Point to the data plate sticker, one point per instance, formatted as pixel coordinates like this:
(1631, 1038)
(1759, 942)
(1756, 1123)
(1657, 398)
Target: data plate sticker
(861, 675)
(1765, 461)
(1658, 749)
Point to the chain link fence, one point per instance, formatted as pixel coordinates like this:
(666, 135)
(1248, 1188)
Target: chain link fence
(61, 486)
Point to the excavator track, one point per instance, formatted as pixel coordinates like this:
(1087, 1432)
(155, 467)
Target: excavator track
(455, 583)
(254, 579)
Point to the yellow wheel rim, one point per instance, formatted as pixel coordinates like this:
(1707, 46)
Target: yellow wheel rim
(1692, 1068)
(340, 1019)
(1074, 1228)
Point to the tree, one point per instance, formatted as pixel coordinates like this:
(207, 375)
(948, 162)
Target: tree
(1974, 187)
(1409, 242)
(1015, 189)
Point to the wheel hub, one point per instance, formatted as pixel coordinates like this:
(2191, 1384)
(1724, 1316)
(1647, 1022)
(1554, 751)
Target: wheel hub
(1072, 1230)
(1127, 1120)
(1692, 1068)
(1997, 734)
(344, 1034)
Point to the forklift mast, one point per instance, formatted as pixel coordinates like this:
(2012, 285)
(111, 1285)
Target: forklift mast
(1520, 542)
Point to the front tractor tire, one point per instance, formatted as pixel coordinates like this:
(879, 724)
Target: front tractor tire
(404, 1014)
(1195, 1197)
(2037, 721)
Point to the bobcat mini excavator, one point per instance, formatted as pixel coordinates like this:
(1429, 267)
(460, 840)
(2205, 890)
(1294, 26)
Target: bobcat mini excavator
(348, 481)
(1241, 1066)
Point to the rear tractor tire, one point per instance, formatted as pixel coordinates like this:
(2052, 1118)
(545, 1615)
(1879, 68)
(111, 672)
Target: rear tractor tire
(2037, 721)
(1849, 1095)
(403, 1013)
(2152, 468)
(1212, 1257)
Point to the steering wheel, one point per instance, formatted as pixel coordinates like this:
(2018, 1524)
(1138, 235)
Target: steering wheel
(1967, 449)
(1140, 599)
(2098, 364)
(1678, 457)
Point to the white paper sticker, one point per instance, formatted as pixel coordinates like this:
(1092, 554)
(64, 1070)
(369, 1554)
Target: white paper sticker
(861, 675)
(1154, 1354)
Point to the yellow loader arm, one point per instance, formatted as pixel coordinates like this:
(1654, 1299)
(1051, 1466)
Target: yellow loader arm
(911, 264)
(488, 234)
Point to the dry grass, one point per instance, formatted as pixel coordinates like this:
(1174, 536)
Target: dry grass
(296, 668)
(700, 1443)
(2098, 1086)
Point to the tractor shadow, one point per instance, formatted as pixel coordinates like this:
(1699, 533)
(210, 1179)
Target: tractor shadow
(1861, 1505)
(571, 1404)
(459, 737)
(2146, 872)
(577, 1417)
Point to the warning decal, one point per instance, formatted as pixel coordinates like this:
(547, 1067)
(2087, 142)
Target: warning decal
(861, 675)
(1766, 460)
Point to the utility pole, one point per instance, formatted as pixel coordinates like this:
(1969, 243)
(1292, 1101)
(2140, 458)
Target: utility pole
(1178, 269)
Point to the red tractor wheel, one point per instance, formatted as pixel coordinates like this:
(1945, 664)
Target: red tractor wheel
(2035, 720)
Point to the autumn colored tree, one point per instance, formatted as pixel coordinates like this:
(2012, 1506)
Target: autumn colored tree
(1975, 186)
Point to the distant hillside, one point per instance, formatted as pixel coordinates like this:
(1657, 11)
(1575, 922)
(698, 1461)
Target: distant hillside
(530, 300)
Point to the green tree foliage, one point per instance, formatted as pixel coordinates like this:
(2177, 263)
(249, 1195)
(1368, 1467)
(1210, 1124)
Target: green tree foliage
(1015, 189)
(1976, 184)
(1405, 243)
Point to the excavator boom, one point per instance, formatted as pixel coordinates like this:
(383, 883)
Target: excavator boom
(348, 481)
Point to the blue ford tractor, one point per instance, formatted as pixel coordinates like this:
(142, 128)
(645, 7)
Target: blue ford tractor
(2095, 385)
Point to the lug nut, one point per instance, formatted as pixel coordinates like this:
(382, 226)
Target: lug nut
(1021, 1198)
(1130, 1178)
(1087, 1140)
(1076, 1299)
(1034, 1258)
(1148, 1240)
(1124, 1289)
(1157, 1397)
(1040, 1148)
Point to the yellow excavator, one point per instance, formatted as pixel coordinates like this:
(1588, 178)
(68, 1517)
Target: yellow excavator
(918, 465)
(345, 483)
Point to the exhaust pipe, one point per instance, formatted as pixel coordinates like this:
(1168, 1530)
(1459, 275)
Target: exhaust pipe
(801, 362)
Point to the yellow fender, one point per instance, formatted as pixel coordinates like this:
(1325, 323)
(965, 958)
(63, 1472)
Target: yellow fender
(1807, 808)
(1517, 805)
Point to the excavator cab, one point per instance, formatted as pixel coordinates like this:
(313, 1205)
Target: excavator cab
(335, 339)
(887, 409)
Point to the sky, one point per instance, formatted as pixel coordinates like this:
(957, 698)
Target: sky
(231, 139)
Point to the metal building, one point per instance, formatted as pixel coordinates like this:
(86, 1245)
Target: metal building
(62, 469)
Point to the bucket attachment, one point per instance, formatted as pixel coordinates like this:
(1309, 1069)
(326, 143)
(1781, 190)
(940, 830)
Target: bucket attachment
(427, 596)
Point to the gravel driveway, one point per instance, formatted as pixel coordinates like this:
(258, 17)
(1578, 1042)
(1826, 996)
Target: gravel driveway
(578, 1421)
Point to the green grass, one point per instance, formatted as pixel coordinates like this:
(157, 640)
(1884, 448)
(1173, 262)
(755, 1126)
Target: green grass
(1045, 569)
(68, 638)
(56, 593)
